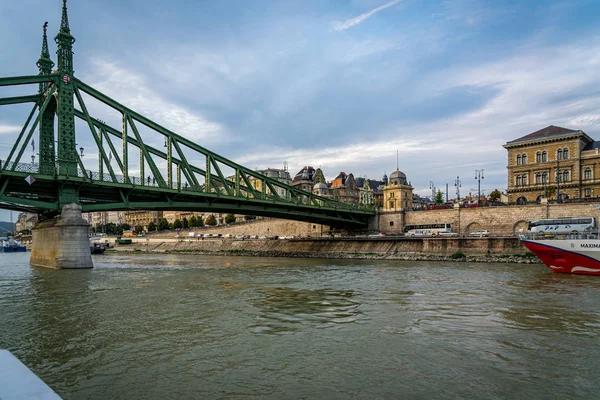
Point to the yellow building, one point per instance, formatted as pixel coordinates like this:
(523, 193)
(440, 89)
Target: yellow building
(397, 194)
(142, 217)
(552, 163)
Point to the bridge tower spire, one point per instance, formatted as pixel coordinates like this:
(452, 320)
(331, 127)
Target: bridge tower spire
(46, 138)
(67, 152)
(44, 63)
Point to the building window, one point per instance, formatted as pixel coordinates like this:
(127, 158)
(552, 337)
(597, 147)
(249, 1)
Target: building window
(519, 159)
(587, 174)
(565, 154)
(538, 178)
(391, 223)
(588, 192)
(524, 159)
(524, 179)
(565, 176)
(392, 204)
(519, 180)
(538, 157)
(544, 156)
(544, 177)
(559, 154)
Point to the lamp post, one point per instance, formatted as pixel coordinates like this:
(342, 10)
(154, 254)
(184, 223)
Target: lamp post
(458, 185)
(479, 177)
(557, 181)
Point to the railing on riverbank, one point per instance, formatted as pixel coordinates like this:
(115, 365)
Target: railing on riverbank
(551, 236)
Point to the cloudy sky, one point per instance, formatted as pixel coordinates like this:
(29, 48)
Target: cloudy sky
(340, 84)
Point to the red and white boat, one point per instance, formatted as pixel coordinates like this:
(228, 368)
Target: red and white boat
(574, 254)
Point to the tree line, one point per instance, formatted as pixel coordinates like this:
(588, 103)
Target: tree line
(163, 224)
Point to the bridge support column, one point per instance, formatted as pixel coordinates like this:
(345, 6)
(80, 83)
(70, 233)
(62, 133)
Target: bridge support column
(62, 242)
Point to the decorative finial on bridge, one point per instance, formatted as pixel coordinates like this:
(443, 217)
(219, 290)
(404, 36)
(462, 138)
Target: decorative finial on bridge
(65, 41)
(64, 24)
(44, 63)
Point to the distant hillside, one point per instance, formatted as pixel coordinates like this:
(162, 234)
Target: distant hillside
(6, 226)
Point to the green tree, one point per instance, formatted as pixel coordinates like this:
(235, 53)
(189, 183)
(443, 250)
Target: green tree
(126, 227)
(185, 223)
(439, 198)
(550, 190)
(171, 226)
(495, 195)
(139, 229)
(211, 220)
(111, 229)
(230, 219)
(151, 226)
(163, 225)
(249, 217)
(177, 224)
(200, 222)
(193, 221)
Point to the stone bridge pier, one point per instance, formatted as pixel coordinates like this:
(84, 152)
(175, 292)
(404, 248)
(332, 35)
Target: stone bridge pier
(62, 242)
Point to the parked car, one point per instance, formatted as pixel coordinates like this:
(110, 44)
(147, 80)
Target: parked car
(449, 234)
(480, 233)
(378, 234)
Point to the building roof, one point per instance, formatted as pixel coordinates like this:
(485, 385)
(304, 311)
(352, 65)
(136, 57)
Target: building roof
(549, 132)
(398, 178)
(592, 146)
(373, 184)
(305, 174)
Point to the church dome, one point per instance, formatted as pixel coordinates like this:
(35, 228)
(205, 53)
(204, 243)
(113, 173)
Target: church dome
(398, 178)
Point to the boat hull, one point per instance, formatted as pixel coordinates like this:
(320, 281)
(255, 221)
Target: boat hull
(567, 256)
(13, 249)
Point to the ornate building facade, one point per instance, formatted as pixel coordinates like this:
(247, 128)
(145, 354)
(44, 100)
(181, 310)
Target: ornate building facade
(281, 175)
(555, 163)
(306, 178)
(343, 188)
(398, 193)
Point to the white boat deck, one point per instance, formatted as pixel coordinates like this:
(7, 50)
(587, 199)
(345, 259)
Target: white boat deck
(17, 382)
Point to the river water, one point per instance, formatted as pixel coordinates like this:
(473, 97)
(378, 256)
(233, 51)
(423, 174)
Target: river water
(190, 326)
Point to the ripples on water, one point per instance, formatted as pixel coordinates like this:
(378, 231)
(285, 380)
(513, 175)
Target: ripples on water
(150, 326)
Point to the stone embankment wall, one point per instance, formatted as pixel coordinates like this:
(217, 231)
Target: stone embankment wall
(384, 247)
(504, 220)
(266, 227)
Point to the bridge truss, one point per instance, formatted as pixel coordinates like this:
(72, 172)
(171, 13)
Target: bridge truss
(141, 164)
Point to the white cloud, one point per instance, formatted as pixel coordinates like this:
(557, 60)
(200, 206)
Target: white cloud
(341, 26)
(9, 129)
(132, 90)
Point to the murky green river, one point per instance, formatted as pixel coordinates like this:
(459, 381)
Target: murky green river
(196, 327)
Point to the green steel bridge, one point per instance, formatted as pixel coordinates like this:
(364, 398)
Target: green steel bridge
(141, 165)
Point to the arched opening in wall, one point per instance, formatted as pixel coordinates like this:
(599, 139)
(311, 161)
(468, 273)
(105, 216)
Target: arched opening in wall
(520, 227)
(473, 226)
(539, 199)
(564, 196)
(522, 200)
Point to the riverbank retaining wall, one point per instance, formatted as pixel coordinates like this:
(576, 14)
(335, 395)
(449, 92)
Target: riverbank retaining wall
(382, 247)
(502, 220)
